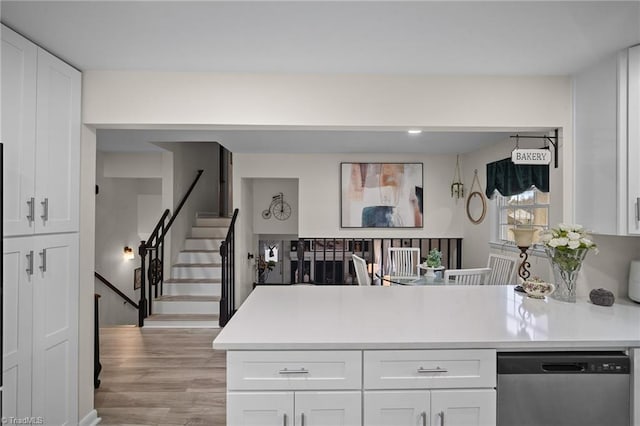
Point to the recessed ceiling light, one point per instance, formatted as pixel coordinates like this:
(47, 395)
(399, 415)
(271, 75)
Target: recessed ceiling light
(414, 131)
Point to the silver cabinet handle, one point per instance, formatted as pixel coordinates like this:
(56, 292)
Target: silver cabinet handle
(45, 209)
(424, 418)
(29, 263)
(441, 414)
(31, 204)
(432, 370)
(638, 209)
(43, 256)
(301, 419)
(284, 419)
(287, 371)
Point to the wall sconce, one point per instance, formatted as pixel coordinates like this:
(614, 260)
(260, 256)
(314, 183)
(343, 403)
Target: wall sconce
(524, 239)
(128, 253)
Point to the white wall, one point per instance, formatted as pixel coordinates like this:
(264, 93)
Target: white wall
(132, 164)
(117, 225)
(188, 158)
(87, 267)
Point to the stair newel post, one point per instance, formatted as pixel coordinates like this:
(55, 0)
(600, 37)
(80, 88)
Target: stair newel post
(142, 304)
(161, 249)
(223, 282)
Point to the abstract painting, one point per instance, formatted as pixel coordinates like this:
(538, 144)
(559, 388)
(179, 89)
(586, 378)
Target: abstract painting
(381, 195)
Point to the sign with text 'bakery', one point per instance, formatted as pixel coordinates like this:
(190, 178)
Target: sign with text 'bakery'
(531, 156)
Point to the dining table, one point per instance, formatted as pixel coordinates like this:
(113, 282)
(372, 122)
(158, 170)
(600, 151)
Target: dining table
(387, 280)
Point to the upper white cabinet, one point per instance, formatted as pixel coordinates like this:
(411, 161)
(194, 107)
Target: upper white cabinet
(606, 117)
(41, 135)
(633, 207)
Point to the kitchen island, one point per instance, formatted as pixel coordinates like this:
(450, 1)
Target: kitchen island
(353, 351)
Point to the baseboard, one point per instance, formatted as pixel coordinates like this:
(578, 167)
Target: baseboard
(90, 419)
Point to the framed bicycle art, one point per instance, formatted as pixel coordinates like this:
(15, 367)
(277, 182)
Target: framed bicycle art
(381, 195)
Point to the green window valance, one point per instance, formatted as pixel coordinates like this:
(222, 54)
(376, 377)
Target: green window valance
(511, 179)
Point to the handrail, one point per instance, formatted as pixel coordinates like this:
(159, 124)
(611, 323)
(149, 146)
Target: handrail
(184, 200)
(154, 246)
(227, 252)
(116, 290)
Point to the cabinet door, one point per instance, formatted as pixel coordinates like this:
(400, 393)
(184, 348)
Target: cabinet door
(260, 408)
(633, 213)
(328, 408)
(57, 145)
(55, 329)
(17, 315)
(463, 407)
(18, 130)
(396, 408)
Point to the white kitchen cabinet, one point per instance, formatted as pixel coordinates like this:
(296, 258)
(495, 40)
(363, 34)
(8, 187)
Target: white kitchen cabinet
(606, 151)
(302, 408)
(633, 207)
(468, 407)
(41, 136)
(260, 408)
(40, 359)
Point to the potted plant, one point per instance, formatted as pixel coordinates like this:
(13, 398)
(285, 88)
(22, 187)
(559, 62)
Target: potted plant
(433, 263)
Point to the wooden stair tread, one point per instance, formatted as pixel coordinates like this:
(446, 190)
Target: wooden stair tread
(182, 317)
(186, 298)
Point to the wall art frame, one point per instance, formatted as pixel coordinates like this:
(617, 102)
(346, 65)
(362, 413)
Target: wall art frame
(381, 195)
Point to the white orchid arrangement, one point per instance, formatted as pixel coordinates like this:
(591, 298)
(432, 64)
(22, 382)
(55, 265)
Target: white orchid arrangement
(568, 238)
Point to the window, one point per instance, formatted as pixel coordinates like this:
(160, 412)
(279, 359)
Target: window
(529, 208)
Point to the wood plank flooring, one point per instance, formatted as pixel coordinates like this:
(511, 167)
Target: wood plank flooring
(162, 377)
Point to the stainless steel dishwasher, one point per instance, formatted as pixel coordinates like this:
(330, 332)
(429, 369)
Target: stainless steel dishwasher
(563, 389)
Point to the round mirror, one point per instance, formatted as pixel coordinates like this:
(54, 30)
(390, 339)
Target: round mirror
(476, 207)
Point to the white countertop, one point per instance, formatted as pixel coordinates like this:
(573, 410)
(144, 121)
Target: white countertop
(425, 317)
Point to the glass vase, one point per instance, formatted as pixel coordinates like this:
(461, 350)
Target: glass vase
(566, 264)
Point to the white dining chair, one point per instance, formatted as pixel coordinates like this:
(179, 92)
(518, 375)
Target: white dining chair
(404, 262)
(470, 276)
(502, 269)
(360, 265)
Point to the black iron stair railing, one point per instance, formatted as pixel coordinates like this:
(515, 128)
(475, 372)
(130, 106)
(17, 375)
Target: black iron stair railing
(227, 252)
(151, 277)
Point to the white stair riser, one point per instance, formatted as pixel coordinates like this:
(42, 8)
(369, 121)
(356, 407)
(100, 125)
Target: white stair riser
(222, 222)
(197, 272)
(200, 232)
(199, 257)
(202, 243)
(181, 324)
(186, 307)
(192, 289)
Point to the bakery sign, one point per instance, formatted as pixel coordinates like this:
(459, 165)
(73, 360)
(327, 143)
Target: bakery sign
(531, 156)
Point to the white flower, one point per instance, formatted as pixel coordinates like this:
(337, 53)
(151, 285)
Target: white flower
(557, 242)
(573, 235)
(564, 227)
(587, 242)
(573, 244)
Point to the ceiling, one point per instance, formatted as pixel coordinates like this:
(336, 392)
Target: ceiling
(382, 37)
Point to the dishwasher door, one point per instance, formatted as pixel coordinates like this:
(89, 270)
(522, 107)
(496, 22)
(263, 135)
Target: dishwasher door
(563, 389)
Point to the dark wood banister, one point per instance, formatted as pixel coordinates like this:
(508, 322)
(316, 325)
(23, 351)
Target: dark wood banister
(115, 290)
(155, 244)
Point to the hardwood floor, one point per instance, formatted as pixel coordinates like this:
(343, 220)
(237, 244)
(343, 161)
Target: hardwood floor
(160, 377)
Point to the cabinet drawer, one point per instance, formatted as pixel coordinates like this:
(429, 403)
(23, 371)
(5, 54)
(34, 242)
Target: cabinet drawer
(421, 369)
(294, 370)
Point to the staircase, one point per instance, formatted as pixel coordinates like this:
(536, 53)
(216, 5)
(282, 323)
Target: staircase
(192, 294)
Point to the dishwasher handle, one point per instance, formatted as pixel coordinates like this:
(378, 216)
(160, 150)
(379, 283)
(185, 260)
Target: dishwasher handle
(564, 367)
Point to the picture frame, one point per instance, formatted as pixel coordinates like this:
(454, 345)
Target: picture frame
(137, 278)
(381, 195)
